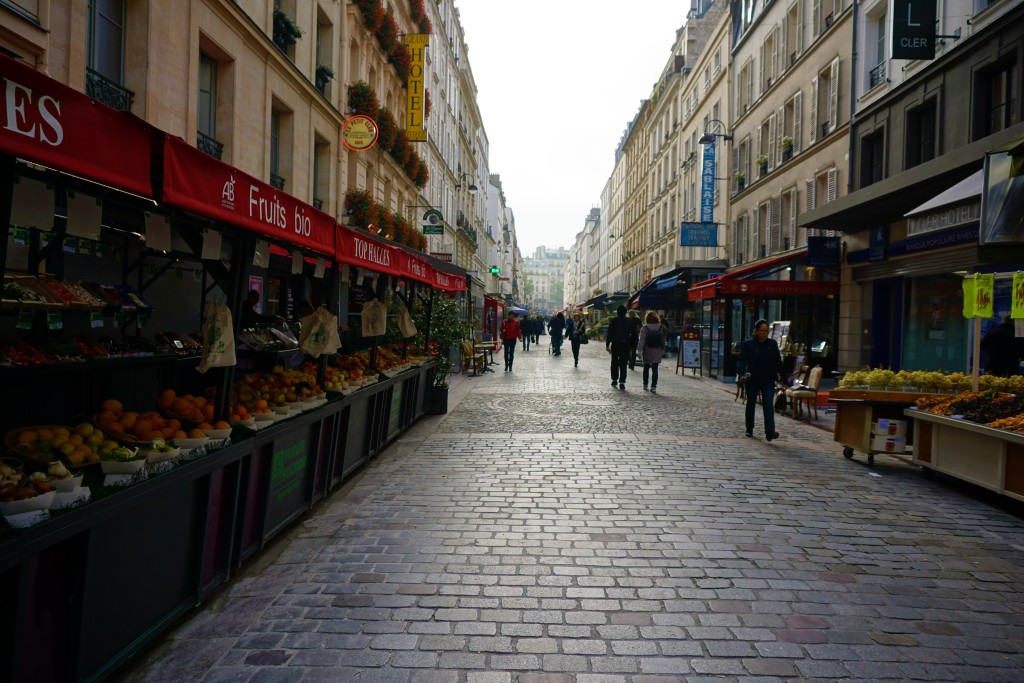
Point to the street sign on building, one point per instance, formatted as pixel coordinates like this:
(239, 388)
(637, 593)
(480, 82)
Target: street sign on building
(698, 234)
(913, 29)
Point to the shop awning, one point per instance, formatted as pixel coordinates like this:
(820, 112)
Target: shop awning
(968, 188)
(596, 300)
(48, 123)
(745, 281)
(195, 181)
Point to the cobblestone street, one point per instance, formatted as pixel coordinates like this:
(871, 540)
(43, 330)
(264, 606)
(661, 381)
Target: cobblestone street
(552, 529)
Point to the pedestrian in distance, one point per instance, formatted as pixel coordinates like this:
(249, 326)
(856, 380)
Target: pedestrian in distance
(526, 329)
(650, 348)
(575, 330)
(634, 320)
(1002, 350)
(759, 368)
(538, 328)
(556, 328)
(510, 333)
(619, 343)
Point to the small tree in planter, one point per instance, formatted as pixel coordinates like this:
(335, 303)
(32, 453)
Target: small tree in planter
(446, 331)
(762, 163)
(286, 31)
(741, 179)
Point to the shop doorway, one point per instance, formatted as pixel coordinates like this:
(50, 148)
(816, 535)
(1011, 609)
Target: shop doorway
(886, 323)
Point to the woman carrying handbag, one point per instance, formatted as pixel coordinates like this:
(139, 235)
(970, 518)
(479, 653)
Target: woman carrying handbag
(577, 333)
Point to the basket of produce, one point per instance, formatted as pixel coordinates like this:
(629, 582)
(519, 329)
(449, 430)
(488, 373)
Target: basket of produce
(14, 499)
(40, 445)
(58, 476)
(123, 460)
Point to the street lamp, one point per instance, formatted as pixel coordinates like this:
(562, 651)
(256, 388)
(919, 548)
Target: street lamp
(462, 177)
(709, 136)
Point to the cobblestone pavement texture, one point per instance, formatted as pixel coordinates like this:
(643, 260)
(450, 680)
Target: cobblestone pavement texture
(553, 529)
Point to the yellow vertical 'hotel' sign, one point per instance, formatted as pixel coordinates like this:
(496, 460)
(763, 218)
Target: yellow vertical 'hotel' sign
(416, 99)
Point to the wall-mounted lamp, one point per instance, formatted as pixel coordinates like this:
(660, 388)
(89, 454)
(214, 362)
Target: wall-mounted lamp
(709, 136)
(472, 186)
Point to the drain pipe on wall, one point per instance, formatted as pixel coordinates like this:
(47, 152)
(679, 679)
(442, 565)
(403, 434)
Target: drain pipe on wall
(853, 101)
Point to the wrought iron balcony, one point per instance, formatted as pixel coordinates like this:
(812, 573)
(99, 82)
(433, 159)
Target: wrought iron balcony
(102, 89)
(204, 143)
(277, 181)
(876, 75)
(318, 203)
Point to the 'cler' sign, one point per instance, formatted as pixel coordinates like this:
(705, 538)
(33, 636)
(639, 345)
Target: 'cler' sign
(913, 29)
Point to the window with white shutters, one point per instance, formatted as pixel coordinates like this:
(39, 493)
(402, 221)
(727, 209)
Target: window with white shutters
(833, 95)
(813, 135)
(833, 181)
(776, 223)
(772, 136)
(797, 118)
(755, 247)
(744, 255)
(815, 18)
(809, 195)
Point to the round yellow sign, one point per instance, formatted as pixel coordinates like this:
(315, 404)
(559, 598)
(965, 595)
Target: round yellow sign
(359, 133)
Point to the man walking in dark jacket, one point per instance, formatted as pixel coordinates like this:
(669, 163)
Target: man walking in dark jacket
(617, 343)
(759, 366)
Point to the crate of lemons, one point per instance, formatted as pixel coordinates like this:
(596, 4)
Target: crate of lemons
(79, 446)
(928, 381)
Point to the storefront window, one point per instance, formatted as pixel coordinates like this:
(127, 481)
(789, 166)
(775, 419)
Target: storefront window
(935, 335)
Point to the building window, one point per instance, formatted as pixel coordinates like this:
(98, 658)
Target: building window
(872, 159)
(793, 33)
(106, 48)
(275, 149)
(921, 134)
(206, 121)
(877, 74)
(998, 99)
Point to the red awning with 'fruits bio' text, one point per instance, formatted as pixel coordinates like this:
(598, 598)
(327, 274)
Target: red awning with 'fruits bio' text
(48, 123)
(195, 181)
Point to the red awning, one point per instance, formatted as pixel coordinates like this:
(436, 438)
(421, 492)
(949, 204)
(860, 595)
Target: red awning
(195, 181)
(735, 282)
(366, 251)
(48, 123)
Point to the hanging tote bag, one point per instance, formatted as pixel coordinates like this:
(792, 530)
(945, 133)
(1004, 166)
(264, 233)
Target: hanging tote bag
(218, 338)
(375, 317)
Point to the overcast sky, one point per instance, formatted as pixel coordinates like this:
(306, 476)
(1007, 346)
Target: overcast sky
(557, 81)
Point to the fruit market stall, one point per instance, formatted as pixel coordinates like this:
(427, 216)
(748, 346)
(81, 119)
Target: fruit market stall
(870, 408)
(136, 436)
(976, 436)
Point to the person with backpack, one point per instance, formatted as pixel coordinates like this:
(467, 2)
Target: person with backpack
(650, 348)
(617, 343)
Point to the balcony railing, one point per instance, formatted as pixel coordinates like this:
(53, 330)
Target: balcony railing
(277, 181)
(876, 75)
(318, 203)
(204, 143)
(102, 89)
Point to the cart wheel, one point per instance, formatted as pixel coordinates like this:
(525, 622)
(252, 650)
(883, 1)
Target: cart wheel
(871, 459)
(848, 452)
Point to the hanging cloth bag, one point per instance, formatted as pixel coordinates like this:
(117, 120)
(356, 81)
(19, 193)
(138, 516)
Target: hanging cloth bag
(405, 324)
(375, 318)
(319, 333)
(218, 338)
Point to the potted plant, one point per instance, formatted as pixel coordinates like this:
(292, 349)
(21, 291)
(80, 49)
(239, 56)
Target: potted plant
(786, 143)
(762, 163)
(324, 74)
(741, 179)
(286, 31)
(445, 332)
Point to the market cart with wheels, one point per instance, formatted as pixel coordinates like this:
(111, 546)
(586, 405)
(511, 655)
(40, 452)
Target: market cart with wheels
(858, 413)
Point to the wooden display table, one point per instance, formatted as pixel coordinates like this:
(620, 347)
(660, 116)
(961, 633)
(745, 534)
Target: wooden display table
(991, 458)
(857, 409)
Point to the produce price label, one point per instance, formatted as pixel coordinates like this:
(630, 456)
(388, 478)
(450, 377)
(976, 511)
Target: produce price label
(20, 236)
(47, 237)
(54, 321)
(25, 320)
(95, 319)
(86, 247)
(70, 245)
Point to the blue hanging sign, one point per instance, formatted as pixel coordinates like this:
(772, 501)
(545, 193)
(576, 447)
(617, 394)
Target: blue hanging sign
(698, 234)
(707, 185)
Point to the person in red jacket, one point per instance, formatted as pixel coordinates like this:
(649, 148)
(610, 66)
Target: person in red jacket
(510, 333)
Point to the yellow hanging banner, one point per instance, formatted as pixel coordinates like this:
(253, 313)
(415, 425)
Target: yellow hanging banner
(984, 294)
(1017, 309)
(415, 98)
(968, 297)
